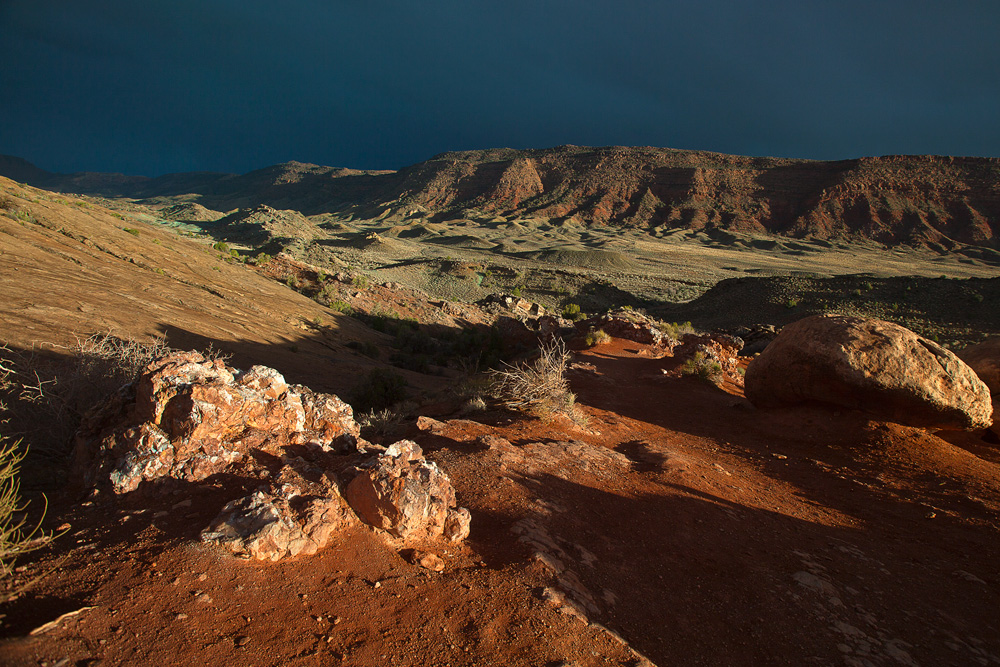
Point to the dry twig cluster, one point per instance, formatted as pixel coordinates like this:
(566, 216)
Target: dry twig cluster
(539, 387)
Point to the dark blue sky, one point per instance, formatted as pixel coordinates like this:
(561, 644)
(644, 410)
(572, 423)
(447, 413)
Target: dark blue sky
(156, 86)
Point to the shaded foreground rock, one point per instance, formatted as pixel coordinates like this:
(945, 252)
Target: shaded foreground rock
(984, 359)
(191, 420)
(872, 365)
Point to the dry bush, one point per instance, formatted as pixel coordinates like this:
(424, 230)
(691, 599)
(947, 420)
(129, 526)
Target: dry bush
(597, 337)
(379, 423)
(539, 387)
(49, 394)
(14, 538)
(116, 361)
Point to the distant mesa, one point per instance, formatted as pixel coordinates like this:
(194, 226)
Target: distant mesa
(942, 203)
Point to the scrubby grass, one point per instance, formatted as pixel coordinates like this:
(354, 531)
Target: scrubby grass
(539, 387)
(676, 330)
(597, 337)
(703, 367)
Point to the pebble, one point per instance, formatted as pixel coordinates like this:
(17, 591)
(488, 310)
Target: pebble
(181, 617)
(242, 640)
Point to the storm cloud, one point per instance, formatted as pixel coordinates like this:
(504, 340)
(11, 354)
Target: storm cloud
(163, 86)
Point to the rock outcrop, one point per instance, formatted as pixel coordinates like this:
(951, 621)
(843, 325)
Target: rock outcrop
(407, 496)
(632, 325)
(284, 451)
(872, 365)
(188, 418)
(288, 517)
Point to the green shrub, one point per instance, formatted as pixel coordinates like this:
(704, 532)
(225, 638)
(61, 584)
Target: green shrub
(221, 246)
(701, 366)
(571, 311)
(341, 307)
(597, 337)
(360, 281)
(675, 330)
(381, 389)
(133, 232)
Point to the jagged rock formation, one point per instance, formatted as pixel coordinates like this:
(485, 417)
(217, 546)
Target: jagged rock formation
(405, 495)
(287, 452)
(876, 366)
(924, 200)
(188, 418)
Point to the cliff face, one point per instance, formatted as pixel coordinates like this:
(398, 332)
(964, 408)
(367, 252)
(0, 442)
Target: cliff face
(919, 200)
(894, 199)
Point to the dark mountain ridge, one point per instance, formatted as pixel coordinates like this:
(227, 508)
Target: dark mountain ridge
(934, 201)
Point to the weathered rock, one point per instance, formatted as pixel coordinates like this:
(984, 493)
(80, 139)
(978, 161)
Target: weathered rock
(293, 517)
(407, 496)
(189, 418)
(984, 359)
(872, 365)
(717, 348)
(631, 325)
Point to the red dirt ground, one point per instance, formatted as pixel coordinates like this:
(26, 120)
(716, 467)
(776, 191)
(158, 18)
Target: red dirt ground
(695, 527)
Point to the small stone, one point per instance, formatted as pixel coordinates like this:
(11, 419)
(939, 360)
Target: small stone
(181, 617)
(432, 562)
(242, 640)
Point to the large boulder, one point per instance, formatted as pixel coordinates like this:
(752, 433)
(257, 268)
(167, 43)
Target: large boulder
(872, 365)
(984, 359)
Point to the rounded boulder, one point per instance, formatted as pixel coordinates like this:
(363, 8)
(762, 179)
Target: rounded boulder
(872, 365)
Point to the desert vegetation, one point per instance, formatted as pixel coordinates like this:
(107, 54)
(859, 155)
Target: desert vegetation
(539, 387)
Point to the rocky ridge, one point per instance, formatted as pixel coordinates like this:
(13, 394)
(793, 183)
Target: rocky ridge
(939, 202)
